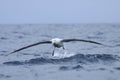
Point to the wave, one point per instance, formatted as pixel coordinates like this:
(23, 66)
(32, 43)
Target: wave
(78, 58)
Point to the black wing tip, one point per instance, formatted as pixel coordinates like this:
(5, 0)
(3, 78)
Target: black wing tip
(10, 53)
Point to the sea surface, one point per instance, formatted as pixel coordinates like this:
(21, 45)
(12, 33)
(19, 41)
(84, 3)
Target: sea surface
(79, 60)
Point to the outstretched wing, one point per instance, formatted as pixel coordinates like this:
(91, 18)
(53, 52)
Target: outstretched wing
(89, 41)
(44, 42)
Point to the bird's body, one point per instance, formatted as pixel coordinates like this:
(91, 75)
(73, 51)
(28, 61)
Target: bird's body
(57, 43)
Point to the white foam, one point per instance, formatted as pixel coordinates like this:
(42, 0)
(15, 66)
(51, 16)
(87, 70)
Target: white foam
(62, 54)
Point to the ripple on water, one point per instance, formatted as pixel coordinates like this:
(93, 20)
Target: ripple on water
(78, 58)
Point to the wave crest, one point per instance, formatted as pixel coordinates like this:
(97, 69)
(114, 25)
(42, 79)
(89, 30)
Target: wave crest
(78, 58)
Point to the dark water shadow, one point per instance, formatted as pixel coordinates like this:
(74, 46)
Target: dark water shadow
(76, 67)
(4, 76)
(78, 58)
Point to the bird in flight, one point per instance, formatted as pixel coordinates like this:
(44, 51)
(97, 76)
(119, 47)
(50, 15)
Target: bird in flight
(57, 43)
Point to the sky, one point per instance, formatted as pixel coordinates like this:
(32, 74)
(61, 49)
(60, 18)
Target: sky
(59, 11)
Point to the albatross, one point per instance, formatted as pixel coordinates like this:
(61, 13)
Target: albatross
(56, 42)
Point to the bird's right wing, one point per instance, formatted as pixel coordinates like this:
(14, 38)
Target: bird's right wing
(44, 42)
(89, 41)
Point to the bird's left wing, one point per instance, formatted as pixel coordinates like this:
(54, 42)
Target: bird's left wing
(89, 41)
(44, 42)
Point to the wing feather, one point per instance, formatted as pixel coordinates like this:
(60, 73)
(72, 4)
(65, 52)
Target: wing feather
(44, 42)
(89, 41)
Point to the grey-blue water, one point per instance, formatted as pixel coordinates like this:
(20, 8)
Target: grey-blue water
(79, 60)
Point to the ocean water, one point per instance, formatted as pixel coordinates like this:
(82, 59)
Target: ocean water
(79, 60)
